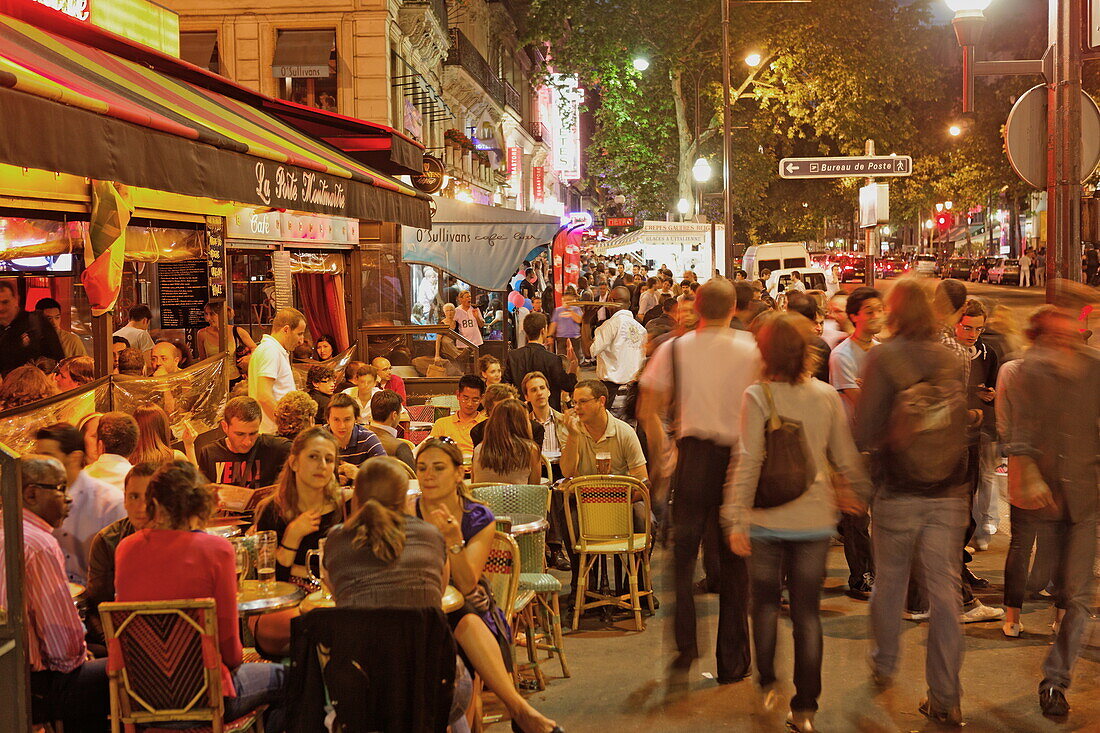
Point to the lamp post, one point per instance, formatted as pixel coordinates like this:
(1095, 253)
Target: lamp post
(1060, 68)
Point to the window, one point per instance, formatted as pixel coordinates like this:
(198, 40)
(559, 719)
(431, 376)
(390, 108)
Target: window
(790, 263)
(305, 65)
(201, 49)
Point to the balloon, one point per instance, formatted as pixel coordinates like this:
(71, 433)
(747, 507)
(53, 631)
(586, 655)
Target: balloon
(511, 306)
(515, 299)
(527, 303)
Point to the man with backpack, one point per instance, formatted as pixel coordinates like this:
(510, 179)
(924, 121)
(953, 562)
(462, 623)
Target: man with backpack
(912, 420)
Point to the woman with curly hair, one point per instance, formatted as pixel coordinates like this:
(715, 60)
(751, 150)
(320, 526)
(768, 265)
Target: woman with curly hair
(171, 558)
(24, 385)
(295, 412)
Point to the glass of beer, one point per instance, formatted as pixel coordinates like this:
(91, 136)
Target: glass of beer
(316, 578)
(603, 463)
(240, 549)
(267, 544)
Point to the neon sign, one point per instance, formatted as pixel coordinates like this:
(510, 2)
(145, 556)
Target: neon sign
(79, 9)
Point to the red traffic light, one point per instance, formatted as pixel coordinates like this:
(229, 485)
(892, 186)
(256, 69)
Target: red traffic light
(945, 220)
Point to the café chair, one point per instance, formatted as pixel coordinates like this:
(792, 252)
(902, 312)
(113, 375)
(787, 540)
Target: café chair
(164, 666)
(421, 413)
(381, 669)
(604, 526)
(502, 570)
(549, 469)
(543, 617)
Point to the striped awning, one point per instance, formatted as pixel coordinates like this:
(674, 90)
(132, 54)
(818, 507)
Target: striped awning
(68, 107)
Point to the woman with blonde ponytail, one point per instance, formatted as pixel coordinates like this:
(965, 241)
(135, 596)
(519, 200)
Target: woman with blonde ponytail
(381, 557)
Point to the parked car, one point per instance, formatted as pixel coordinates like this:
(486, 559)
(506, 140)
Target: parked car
(958, 267)
(979, 269)
(1005, 271)
(890, 267)
(925, 265)
(852, 267)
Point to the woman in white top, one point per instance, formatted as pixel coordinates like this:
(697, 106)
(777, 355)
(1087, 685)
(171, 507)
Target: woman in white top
(468, 320)
(792, 538)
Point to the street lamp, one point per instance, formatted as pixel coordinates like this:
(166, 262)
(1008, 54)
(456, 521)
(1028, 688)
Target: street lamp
(754, 59)
(701, 170)
(641, 63)
(948, 204)
(954, 131)
(683, 206)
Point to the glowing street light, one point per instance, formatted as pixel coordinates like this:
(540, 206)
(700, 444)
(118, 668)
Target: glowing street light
(683, 206)
(701, 170)
(963, 8)
(947, 205)
(641, 63)
(954, 131)
(928, 223)
(754, 59)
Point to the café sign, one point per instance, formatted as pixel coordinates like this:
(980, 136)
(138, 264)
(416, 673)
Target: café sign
(291, 227)
(79, 9)
(283, 187)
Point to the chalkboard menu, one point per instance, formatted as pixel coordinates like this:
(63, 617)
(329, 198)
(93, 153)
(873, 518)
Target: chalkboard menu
(184, 290)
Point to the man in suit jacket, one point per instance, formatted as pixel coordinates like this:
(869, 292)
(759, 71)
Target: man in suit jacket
(535, 358)
(385, 411)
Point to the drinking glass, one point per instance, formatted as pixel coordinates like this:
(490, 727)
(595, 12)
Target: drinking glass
(603, 463)
(319, 553)
(267, 544)
(240, 550)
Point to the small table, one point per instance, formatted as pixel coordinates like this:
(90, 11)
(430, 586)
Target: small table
(526, 523)
(279, 596)
(452, 600)
(76, 590)
(552, 455)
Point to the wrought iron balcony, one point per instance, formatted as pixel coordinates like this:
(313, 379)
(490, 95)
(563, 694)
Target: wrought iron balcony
(538, 131)
(464, 54)
(512, 97)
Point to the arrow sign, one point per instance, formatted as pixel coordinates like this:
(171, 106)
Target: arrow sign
(874, 166)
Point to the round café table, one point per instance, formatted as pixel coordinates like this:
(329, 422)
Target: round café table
(525, 523)
(452, 600)
(252, 598)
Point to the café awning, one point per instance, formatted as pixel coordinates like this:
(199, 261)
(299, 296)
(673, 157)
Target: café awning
(69, 107)
(480, 245)
(303, 54)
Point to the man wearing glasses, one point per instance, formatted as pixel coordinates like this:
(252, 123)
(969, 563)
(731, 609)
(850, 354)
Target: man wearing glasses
(65, 683)
(457, 426)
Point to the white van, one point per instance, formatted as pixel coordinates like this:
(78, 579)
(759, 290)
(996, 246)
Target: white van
(775, 256)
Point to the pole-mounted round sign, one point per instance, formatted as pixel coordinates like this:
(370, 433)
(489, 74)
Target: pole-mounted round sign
(1026, 136)
(431, 180)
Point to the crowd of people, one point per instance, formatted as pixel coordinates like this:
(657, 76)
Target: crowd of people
(761, 430)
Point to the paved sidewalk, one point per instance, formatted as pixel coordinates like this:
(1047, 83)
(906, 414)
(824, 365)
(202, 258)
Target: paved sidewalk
(618, 674)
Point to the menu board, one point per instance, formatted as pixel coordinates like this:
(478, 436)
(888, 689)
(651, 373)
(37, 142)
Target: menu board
(184, 290)
(282, 267)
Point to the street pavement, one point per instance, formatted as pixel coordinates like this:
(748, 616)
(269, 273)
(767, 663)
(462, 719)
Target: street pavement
(1021, 301)
(618, 674)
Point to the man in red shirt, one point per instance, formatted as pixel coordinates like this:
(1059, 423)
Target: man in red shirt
(388, 380)
(66, 683)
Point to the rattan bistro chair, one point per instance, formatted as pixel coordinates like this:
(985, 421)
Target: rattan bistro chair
(164, 665)
(543, 618)
(604, 525)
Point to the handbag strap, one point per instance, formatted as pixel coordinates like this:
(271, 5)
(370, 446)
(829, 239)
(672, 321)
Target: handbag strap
(774, 423)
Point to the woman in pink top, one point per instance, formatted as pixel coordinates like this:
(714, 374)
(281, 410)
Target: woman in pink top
(174, 559)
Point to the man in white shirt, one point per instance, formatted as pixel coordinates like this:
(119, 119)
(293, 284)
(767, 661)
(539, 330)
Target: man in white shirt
(865, 311)
(796, 285)
(269, 373)
(648, 297)
(116, 438)
(619, 346)
(1025, 270)
(468, 320)
(702, 376)
(136, 332)
(95, 503)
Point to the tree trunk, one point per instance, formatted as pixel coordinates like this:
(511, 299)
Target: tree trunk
(685, 138)
(1014, 226)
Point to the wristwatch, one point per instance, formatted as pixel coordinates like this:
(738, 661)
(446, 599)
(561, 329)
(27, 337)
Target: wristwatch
(456, 548)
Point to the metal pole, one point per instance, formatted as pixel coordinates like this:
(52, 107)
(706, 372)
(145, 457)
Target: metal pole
(869, 234)
(1064, 146)
(727, 143)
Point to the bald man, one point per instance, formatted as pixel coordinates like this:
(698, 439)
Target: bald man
(165, 358)
(387, 379)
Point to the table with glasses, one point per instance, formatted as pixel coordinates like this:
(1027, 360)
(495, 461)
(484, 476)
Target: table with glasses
(259, 597)
(452, 600)
(522, 524)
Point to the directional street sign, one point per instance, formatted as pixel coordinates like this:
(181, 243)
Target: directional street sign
(875, 166)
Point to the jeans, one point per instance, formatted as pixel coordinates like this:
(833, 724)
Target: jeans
(986, 501)
(932, 529)
(258, 684)
(81, 699)
(1028, 528)
(854, 531)
(700, 477)
(803, 564)
(1075, 545)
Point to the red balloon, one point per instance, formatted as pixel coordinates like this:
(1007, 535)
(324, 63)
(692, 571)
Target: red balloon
(515, 298)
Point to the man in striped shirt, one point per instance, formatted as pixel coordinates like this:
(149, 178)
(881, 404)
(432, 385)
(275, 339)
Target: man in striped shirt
(66, 684)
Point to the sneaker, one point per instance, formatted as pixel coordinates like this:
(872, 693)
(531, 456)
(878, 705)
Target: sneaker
(981, 545)
(980, 613)
(917, 616)
(952, 717)
(973, 580)
(1052, 701)
(1012, 631)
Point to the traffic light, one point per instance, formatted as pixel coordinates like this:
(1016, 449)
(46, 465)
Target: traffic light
(945, 220)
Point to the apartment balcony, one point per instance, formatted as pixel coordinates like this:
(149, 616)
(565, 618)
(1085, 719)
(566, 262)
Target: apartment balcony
(538, 131)
(464, 55)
